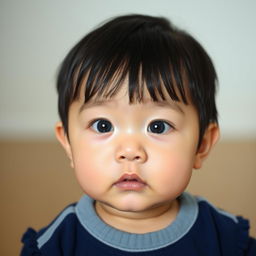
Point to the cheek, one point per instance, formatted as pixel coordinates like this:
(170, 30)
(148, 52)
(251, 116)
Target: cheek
(89, 169)
(173, 177)
(172, 169)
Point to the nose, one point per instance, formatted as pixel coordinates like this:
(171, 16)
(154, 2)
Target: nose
(131, 151)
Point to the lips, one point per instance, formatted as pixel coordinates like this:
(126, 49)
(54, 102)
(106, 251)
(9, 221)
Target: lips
(130, 182)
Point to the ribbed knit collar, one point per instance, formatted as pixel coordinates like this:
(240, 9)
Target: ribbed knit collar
(138, 242)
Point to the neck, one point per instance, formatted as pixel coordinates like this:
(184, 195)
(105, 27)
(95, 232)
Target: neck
(150, 220)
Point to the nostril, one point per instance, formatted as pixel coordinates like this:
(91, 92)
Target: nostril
(136, 158)
(131, 155)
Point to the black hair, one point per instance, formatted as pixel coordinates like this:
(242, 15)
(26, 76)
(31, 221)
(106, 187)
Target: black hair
(152, 53)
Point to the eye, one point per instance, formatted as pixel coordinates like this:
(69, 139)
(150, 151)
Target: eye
(102, 126)
(159, 126)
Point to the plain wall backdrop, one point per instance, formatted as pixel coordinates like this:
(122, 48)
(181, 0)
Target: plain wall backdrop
(36, 35)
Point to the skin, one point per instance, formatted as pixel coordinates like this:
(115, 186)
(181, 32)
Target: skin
(164, 161)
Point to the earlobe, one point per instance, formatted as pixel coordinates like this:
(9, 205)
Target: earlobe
(63, 139)
(210, 138)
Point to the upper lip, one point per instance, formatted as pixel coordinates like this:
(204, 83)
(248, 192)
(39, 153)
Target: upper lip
(130, 177)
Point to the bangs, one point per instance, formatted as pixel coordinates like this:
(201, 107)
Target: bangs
(150, 60)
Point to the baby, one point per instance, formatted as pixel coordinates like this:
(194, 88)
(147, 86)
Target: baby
(138, 114)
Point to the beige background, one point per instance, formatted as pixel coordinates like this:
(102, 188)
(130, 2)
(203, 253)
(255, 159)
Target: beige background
(36, 183)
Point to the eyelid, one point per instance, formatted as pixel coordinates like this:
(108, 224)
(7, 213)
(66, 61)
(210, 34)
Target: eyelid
(163, 120)
(91, 122)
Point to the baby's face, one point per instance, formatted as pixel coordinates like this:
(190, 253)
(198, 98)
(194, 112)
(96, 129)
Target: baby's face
(133, 157)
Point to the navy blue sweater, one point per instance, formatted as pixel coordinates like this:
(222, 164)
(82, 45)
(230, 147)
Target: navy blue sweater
(199, 229)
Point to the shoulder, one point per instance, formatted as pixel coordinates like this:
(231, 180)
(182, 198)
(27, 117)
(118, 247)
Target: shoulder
(221, 217)
(58, 232)
(231, 231)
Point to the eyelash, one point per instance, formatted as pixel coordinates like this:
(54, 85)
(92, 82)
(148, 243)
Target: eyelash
(108, 127)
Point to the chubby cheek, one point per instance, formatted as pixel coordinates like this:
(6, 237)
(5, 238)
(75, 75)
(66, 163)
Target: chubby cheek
(90, 172)
(171, 172)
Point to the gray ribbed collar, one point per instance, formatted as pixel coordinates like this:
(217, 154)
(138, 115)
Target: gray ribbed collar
(138, 242)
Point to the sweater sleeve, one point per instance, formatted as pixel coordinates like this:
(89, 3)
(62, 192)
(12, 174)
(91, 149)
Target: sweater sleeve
(29, 241)
(246, 244)
(251, 250)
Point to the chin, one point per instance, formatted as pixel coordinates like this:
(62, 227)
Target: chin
(126, 204)
(133, 206)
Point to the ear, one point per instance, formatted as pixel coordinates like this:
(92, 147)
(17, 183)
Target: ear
(64, 141)
(210, 137)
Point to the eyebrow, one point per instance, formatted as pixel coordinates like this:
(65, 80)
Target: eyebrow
(163, 104)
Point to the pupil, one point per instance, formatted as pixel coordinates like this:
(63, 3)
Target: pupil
(157, 127)
(104, 126)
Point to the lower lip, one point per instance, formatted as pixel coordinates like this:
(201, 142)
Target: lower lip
(130, 185)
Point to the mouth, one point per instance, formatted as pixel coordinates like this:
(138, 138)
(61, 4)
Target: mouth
(130, 182)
